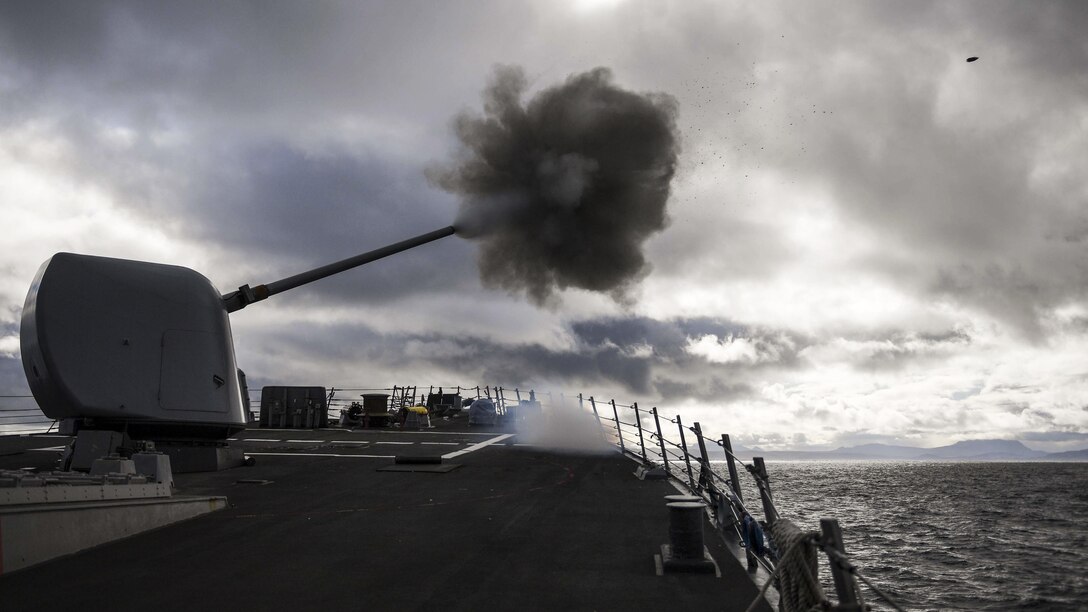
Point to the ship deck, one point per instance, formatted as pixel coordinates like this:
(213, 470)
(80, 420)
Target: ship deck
(316, 524)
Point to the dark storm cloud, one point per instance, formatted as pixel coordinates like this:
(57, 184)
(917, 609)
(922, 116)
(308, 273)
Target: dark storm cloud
(564, 189)
(885, 350)
(277, 209)
(1047, 39)
(711, 389)
(303, 210)
(668, 339)
(898, 350)
(46, 35)
(198, 118)
(1053, 436)
(610, 353)
(522, 363)
(671, 339)
(226, 58)
(956, 196)
(163, 72)
(957, 171)
(12, 378)
(466, 358)
(966, 197)
(270, 137)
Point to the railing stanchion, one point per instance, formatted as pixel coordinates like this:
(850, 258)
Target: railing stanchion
(661, 441)
(706, 481)
(684, 448)
(641, 440)
(764, 482)
(734, 479)
(619, 432)
(597, 416)
(846, 587)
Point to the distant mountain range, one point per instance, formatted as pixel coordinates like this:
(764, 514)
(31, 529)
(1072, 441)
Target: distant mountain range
(967, 450)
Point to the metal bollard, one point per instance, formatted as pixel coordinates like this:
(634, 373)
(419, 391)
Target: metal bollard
(685, 551)
(686, 529)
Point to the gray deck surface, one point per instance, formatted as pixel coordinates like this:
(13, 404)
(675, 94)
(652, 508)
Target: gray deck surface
(514, 528)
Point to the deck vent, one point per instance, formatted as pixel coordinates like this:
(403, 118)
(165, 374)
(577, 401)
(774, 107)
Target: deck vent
(685, 551)
(682, 498)
(417, 459)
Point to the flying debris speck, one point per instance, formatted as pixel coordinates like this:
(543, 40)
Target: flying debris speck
(972, 58)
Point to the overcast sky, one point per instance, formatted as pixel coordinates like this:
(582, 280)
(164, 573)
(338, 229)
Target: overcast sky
(870, 238)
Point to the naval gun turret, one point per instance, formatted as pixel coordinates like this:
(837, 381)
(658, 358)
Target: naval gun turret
(136, 350)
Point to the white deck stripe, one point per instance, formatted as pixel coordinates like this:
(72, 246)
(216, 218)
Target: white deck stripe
(323, 455)
(392, 442)
(260, 440)
(442, 443)
(384, 432)
(423, 432)
(477, 446)
(316, 441)
(51, 448)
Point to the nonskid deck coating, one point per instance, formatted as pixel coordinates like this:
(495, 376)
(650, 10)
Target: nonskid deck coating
(516, 528)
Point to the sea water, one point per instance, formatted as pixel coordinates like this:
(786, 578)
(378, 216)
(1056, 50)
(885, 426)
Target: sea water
(949, 536)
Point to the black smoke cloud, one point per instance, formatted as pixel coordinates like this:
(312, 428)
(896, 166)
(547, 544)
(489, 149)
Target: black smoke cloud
(562, 191)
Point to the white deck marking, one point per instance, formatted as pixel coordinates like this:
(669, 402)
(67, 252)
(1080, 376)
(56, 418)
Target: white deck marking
(392, 442)
(442, 443)
(323, 455)
(315, 441)
(477, 446)
(424, 432)
(260, 440)
(50, 448)
(349, 441)
(386, 432)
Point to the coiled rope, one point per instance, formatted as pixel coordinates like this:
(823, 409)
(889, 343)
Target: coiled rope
(798, 588)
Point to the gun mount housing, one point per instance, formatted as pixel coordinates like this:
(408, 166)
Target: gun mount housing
(146, 348)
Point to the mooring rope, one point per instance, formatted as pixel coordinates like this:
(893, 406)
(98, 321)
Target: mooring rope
(798, 589)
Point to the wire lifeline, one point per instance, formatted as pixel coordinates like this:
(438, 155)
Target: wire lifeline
(762, 484)
(851, 568)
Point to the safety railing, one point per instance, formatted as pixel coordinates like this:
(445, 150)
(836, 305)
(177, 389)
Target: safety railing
(19, 415)
(341, 397)
(657, 442)
(680, 451)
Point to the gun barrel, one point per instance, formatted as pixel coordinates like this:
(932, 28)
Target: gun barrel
(246, 295)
